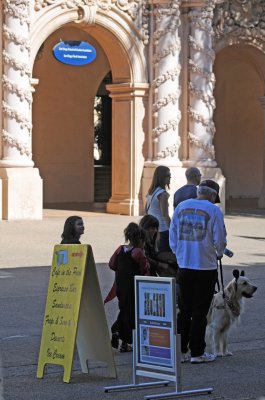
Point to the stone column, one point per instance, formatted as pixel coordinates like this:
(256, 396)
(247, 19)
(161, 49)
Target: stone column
(166, 82)
(129, 122)
(261, 201)
(17, 97)
(201, 84)
(21, 184)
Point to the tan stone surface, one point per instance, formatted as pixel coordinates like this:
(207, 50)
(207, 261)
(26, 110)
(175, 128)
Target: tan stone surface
(22, 193)
(30, 243)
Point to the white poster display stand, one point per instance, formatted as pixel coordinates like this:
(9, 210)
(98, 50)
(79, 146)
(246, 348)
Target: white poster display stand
(156, 344)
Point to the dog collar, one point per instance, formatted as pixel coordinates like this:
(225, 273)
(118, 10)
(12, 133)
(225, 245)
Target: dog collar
(235, 310)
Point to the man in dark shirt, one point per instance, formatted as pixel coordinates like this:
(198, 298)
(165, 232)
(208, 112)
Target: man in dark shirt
(188, 191)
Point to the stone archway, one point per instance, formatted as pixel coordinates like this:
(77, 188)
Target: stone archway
(240, 73)
(124, 50)
(63, 123)
(121, 32)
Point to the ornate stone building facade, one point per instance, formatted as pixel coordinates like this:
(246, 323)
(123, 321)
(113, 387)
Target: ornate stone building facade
(187, 88)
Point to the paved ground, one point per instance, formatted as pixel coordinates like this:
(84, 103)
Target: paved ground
(26, 252)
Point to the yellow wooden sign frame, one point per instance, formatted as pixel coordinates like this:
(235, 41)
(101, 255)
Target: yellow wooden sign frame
(74, 313)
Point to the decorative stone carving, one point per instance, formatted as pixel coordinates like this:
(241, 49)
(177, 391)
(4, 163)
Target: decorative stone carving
(172, 124)
(14, 88)
(128, 6)
(9, 139)
(17, 96)
(17, 9)
(206, 147)
(171, 74)
(14, 114)
(201, 100)
(168, 151)
(87, 14)
(166, 112)
(136, 10)
(207, 98)
(172, 97)
(237, 21)
(23, 68)
(19, 40)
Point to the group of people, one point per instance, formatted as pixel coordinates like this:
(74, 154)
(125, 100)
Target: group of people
(192, 241)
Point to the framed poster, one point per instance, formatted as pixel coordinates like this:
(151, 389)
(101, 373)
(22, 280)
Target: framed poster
(156, 344)
(155, 324)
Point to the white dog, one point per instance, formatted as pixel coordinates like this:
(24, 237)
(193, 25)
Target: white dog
(225, 309)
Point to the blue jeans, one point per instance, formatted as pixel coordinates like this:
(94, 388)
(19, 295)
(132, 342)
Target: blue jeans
(196, 293)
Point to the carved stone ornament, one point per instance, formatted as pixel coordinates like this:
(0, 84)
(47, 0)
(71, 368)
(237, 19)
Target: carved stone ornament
(17, 9)
(166, 44)
(14, 114)
(202, 101)
(207, 147)
(169, 151)
(23, 148)
(170, 74)
(165, 127)
(129, 6)
(170, 98)
(13, 87)
(237, 21)
(16, 65)
(24, 43)
(136, 10)
(207, 98)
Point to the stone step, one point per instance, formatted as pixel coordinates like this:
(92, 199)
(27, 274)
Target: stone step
(102, 183)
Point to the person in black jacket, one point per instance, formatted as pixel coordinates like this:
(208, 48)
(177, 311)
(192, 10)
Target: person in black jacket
(188, 191)
(73, 229)
(127, 261)
(161, 263)
(150, 225)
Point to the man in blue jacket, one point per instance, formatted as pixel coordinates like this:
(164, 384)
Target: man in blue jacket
(197, 236)
(188, 191)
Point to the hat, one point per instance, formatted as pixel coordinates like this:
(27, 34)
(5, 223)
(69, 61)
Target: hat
(212, 185)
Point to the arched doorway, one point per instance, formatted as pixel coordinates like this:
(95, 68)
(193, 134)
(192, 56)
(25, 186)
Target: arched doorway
(122, 53)
(63, 120)
(240, 73)
(102, 142)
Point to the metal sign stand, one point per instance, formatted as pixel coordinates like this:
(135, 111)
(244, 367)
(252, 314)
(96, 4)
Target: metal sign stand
(178, 392)
(173, 375)
(135, 384)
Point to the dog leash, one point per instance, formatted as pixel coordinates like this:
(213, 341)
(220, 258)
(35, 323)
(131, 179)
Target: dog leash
(222, 277)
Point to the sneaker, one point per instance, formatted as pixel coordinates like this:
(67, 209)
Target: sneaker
(185, 357)
(115, 340)
(125, 347)
(206, 357)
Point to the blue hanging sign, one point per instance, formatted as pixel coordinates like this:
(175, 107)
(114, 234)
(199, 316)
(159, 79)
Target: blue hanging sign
(74, 53)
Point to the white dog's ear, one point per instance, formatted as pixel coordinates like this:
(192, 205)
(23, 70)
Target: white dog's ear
(242, 273)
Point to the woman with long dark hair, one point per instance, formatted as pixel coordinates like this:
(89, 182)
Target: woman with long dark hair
(150, 225)
(161, 263)
(157, 204)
